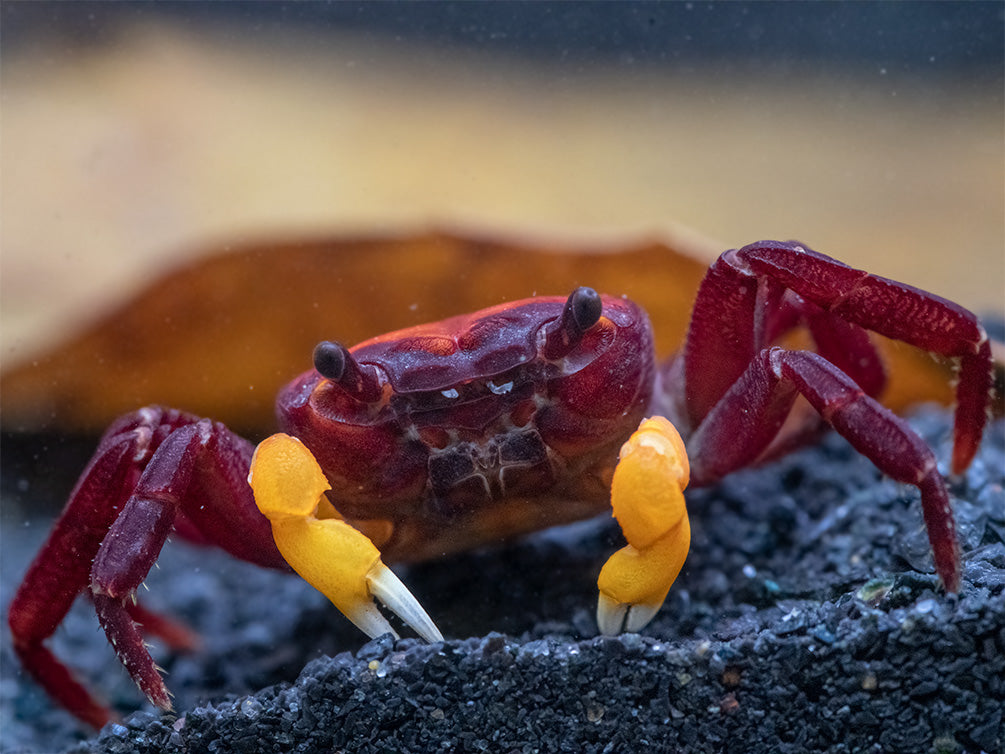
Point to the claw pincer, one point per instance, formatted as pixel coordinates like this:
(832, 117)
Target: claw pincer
(647, 497)
(329, 554)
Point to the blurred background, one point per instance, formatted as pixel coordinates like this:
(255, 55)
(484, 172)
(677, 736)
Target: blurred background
(134, 135)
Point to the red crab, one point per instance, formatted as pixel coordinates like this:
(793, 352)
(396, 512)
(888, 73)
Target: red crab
(487, 425)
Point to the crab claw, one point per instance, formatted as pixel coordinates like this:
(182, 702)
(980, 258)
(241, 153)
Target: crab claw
(647, 495)
(329, 554)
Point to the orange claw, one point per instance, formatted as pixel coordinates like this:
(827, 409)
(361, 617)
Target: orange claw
(329, 554)
(647, 496)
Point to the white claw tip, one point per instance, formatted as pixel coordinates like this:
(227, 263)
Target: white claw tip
(614, 617)
(610, 615)
(639, 616)
(367, 618)
(387, 587)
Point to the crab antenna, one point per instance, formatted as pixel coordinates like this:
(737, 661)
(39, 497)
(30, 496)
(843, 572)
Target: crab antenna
(334, 362)
(581, 312)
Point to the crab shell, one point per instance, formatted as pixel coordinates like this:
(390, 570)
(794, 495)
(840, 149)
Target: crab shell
(476, 435)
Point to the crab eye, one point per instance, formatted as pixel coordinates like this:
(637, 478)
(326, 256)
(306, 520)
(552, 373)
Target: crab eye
(584, 305)
(329, 360)
(334, 362)
(582, 311)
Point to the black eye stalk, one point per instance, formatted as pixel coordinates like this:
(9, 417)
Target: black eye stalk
(581, 312)
(334, 362)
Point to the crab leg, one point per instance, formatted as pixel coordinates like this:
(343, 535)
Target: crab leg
(647, 497)
(743, 423)
(191, 461)
(895, 310)
(738, 301)
(333, 557)
(153, 468)
(53, 581)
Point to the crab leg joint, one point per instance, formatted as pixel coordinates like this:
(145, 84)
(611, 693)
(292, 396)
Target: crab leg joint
(329, 554)
(647, 496)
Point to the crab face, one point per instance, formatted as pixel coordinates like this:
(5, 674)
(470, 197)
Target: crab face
(506, 420)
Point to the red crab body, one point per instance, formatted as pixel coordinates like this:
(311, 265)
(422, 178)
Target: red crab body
(475, 433)
(486, 425)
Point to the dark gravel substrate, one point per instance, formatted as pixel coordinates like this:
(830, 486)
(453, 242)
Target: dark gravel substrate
(807, 619)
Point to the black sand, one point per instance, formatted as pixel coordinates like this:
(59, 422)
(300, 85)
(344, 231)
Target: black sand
(807, 618)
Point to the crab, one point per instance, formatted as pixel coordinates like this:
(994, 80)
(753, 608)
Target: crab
(450, 435)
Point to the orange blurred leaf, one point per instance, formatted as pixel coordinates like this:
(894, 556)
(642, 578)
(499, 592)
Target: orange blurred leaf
(221, 336)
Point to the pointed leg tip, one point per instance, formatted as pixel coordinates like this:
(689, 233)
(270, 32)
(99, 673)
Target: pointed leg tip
(158, 695)
(951, 581)
(164, 705)
(96, 716)
(962, 456)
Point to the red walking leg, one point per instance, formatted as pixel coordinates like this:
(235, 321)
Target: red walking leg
(200, 469)
(738, 311)
(149, 467)
(741, 426)
(62, 568)
(893, 309)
